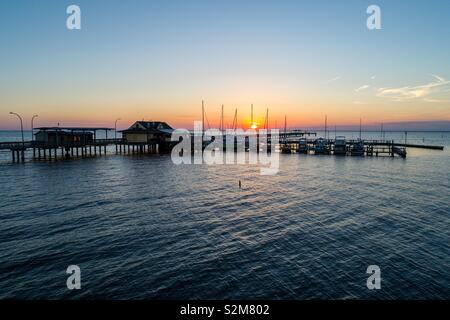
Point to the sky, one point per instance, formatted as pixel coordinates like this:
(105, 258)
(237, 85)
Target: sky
(158, 59)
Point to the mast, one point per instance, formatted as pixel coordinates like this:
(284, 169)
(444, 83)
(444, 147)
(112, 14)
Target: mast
(235, 120)
(221, 121)
(325, 127)
(360, 128)
(251, 121)
(267, 119)
(203, 119)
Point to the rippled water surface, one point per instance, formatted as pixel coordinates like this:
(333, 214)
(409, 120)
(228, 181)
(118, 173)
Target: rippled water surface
(140, 227)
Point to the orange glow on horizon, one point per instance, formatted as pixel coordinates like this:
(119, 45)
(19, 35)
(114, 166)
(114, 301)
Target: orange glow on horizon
(253, 125)
(183, 115)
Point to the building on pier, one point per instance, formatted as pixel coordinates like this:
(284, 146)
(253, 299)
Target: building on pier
(57, 137)
(142, 132)
(67, 136)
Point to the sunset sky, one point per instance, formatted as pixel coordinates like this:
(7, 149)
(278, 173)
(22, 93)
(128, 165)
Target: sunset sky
(157, 60)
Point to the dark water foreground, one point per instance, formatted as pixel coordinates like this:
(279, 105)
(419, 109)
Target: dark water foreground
(141, 227)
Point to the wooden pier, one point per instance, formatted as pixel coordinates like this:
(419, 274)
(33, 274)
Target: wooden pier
(49, 152)
(82, 145)
(370, 148)
(54, 143)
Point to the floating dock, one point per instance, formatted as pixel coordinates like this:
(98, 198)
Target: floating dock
(367, 147)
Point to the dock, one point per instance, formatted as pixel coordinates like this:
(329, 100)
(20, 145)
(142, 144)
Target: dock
(68, 143)
(371, 147)
(44, 151)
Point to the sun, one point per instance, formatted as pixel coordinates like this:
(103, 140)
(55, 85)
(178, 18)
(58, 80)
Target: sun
(254, 125)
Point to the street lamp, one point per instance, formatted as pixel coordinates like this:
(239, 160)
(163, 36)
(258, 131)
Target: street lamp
(21, 126)
(115, 128)
(32, 126)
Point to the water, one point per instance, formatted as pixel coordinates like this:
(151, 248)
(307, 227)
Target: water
(140, 227)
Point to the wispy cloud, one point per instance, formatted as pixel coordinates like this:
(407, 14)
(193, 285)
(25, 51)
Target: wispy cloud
(423, 92)
(334, 79)
(435, 100)
(364, 87)
(373, 77)
(359, 102)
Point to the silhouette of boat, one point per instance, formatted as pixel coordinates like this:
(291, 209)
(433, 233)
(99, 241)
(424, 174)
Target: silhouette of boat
(340, 146)
(357, 149)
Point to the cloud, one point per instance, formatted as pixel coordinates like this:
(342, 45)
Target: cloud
(435, 100)
(364, 87)
(440, 79)
(359, 102)
(422, 92)
(373, 77)
(334, 79)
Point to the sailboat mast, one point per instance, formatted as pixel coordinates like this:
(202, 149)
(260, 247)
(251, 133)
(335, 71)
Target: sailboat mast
(221, 121)
(203, 118)
(360, 128)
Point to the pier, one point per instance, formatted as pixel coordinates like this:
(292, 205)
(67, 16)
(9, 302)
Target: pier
(68, 150)
(52, 143)
(367, 147)
(68, 142)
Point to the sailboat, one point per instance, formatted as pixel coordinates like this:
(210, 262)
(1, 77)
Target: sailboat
(285, 148)
(321, 145)
(357, 149)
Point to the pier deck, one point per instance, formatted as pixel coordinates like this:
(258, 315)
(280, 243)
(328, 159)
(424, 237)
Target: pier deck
(50, 151)
(289, 143)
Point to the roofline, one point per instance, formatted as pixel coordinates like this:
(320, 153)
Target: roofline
(140, 131)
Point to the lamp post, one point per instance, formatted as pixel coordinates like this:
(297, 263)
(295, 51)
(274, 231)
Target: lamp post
(21, 126)
(32, 126)
(115, 128)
